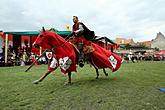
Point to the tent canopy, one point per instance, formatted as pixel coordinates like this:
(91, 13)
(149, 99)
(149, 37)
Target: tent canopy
(61, 33)
(109, 40)
(35, 33)
(161, 52)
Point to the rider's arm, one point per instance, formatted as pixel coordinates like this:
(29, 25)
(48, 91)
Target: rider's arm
(80, 30)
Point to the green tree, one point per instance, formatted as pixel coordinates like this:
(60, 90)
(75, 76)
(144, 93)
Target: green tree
(127, 46)
(156, 49)
(142, 46)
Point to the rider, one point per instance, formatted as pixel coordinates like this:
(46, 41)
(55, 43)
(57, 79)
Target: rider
(79, 30)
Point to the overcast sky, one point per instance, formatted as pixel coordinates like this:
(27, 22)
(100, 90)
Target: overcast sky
(137, 19)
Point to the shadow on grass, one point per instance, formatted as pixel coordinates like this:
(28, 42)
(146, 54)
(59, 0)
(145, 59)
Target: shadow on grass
(92, 82)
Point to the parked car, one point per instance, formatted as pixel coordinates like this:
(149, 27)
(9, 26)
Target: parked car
(148, 58)
(157, 57)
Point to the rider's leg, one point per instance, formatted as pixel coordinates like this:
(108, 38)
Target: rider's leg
(81, 55)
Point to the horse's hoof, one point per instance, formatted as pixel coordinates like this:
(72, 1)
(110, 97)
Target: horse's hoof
(97, 77)
(67, 83)
(36, 82)
(106, 74)
(81, 65)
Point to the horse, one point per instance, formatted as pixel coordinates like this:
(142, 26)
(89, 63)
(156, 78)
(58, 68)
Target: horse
(65, 55)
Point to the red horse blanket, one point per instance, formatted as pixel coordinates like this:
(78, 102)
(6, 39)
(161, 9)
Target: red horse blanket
(65, 55)
(65, 58)
(103, 58)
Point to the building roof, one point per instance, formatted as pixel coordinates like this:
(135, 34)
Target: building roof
(158, 42)
(124, 41)
(159, 36)
(145, 43)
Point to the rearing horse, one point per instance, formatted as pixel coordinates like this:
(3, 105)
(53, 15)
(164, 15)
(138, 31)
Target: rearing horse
(64, 55)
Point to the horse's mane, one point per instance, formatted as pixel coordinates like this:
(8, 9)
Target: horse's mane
(56, 40)
(55, 35)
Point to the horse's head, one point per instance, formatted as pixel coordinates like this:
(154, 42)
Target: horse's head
(46, 39)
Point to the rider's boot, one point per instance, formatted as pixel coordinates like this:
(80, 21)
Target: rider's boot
(81, 55)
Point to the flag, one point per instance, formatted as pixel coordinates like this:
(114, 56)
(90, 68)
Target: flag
(49, 55)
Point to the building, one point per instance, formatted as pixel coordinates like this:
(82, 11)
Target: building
(130, 45)
(145, 44)
(124, 41)
(158, 42)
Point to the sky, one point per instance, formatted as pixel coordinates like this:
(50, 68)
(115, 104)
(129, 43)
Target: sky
(137, 19)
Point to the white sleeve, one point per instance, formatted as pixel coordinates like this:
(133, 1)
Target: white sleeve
(80, 30)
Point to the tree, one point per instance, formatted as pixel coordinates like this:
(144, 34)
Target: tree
(156, 49)
(127, 46)
(143, 46)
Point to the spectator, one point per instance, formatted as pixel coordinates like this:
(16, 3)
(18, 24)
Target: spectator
(20, 52)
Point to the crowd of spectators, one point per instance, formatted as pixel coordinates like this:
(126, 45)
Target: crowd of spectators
(19, 57)
(23, 56)
(136, 57)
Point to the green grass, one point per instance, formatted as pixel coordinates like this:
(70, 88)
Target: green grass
(133, 87)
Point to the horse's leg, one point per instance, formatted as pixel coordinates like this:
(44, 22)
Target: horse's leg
(132, 59)
(97, 72)
(106, 74)
(69, 76)
(69, 79)
(42, 77)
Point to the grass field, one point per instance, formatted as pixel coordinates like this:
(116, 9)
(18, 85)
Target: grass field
(133, 87)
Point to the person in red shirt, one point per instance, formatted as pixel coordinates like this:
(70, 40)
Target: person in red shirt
(78, 32)
(82, 36)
